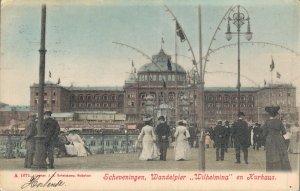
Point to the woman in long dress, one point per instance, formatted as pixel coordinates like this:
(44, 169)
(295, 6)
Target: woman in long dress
(276, 152)
(76, 146)
(182, 148)
(295, 139)
(148, 138)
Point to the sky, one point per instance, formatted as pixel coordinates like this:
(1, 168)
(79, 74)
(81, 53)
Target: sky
(79, 36)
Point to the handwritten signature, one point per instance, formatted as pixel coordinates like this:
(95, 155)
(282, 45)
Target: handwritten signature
(34, 182)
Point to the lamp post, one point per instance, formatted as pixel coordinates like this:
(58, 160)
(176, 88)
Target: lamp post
(238, 17)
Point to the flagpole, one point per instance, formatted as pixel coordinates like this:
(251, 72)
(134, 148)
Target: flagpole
(176, 89)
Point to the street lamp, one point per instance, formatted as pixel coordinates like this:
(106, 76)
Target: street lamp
(238, 18)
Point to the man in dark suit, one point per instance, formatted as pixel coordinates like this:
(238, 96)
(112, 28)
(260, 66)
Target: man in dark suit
(163, 133)
(227, 135)
(240, 133)
(30, 133)
(51, 129)
(257, 136)
(219, 138)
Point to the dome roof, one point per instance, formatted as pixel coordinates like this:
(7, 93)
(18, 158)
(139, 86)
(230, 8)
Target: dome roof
(160, 64)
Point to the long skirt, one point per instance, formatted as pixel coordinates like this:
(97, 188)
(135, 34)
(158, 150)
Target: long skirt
(276, 154)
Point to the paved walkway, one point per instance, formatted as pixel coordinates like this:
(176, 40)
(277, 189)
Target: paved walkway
(130, 162)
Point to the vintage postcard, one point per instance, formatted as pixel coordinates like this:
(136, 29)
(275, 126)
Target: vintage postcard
(149, 95)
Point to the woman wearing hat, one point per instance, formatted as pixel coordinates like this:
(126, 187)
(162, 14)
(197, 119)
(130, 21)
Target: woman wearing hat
(276, 152)
(148, 138)
(182, 148)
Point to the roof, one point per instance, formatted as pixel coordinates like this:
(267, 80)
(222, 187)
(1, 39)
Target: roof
(47, 84)
(15, 108)
(230, 89)
(97, 88)
(62, 115)
(96, 112)
(160, 64)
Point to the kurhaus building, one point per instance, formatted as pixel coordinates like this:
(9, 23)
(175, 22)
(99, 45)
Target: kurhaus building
(161, 87)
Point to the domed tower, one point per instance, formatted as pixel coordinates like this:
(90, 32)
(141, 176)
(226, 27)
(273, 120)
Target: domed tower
(164, 80)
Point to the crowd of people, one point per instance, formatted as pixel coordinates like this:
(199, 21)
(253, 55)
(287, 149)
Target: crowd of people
(155, 141)
(277, 139)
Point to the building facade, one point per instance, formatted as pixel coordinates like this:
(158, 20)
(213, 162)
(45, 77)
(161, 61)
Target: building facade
(162, 87)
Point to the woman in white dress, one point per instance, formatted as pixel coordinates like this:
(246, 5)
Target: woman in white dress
(148, 138)
(182, 148)
(76, 146)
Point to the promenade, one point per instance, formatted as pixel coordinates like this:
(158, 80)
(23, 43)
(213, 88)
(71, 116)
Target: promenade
(130, 161)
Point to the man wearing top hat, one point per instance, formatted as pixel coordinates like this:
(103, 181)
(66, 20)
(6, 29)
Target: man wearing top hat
(51, 129)
(163, 133)
(219, 138)
(240, 134)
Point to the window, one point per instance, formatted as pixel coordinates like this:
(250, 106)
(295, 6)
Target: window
(45, 93)
(105, 105)
(36, 101)
(105, 97)
(72, 105)
(53, 102)
(89, 105)
(54, 94)
(93, 143)
(116, 142)
(107, 143)
(36, 93)
(132, 103)
(80, 97)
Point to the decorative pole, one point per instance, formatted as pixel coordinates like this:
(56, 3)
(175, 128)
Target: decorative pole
(239, 17)
(40, 149)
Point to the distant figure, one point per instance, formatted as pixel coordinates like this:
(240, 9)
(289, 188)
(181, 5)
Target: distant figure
(52, 130)
(295, 139)
(240, 134)
(148, 138)
(163, 134)
(257, 136)
(287, 135)
(182, 147)
(30, 133)
(227, 135)
(62, 141)
(207, 139)
(192, 132)
(276, 152)
(219, 137)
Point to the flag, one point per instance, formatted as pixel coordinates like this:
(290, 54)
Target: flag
(179, 32)
(265, 82)
(49, 74)
(278, 75)
(58, 81)
(169, 65)
(272, 66)
(164, 84)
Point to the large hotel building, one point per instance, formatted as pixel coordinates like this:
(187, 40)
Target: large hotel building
(163, 88)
